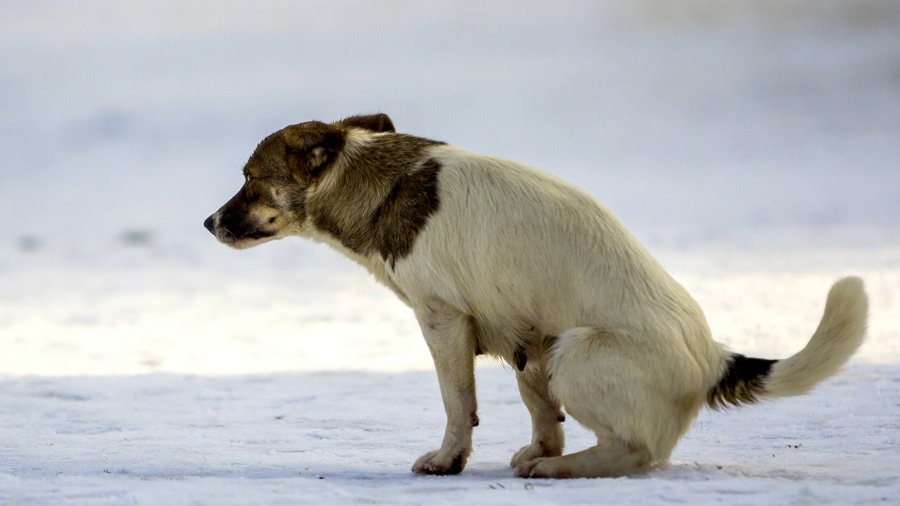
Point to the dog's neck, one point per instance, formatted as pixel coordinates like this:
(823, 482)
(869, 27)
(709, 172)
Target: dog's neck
(376, 195)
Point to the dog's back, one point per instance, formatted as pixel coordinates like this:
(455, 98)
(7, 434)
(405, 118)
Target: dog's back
(520, 249)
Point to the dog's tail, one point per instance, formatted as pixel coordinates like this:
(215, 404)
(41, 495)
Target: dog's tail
(745, 380)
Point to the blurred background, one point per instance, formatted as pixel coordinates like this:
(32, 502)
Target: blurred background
(698, 116)
(742, 125)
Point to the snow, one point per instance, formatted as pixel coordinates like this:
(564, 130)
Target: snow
(350, 437)
(750, 145)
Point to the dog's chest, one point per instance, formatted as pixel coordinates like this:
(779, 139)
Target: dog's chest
(510, 328)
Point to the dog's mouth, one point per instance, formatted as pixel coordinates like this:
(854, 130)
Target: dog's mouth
(256, 236)
(239, 239)
(245, 240)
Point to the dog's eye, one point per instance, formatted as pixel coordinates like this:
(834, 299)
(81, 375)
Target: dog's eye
(248, 178)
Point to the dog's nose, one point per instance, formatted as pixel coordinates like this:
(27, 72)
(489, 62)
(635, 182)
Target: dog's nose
(209, 223)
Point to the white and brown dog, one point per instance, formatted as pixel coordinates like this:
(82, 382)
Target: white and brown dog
(499, 258)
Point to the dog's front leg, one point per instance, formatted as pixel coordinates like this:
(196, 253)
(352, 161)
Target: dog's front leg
(451, 340)
(546, 416)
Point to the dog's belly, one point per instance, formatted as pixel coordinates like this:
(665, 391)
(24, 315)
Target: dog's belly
(502, 340)
(514, 338)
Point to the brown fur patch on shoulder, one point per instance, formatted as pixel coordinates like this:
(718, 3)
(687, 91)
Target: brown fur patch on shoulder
(403, 214)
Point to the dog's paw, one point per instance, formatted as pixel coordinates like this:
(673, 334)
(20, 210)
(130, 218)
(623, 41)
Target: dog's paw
(440, 463)
(545, 467)
(533, 451)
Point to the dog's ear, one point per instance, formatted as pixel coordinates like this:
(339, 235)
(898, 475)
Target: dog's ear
(310, 148)
(374, 122)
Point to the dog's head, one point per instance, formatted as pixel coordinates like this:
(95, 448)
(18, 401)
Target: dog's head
(277, 178)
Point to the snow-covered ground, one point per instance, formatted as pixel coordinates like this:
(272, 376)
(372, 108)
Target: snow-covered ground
(750, 144)
(350, 438)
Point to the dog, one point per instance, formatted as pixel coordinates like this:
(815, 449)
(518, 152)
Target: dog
(498, 258)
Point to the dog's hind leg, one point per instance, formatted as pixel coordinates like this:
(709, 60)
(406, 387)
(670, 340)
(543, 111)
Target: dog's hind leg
(451, 340)
(611, 457)
(615, 383)
(547, 437)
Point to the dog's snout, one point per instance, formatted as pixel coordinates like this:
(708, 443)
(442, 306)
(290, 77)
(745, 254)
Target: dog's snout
(209, 223)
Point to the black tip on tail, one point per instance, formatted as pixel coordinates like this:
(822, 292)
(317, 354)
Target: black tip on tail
(741, 382)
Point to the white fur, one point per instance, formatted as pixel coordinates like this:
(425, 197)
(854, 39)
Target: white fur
(513, 255)
(839, 334)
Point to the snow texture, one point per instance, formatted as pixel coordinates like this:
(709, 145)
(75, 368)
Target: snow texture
(750, 144)
(350, 438)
